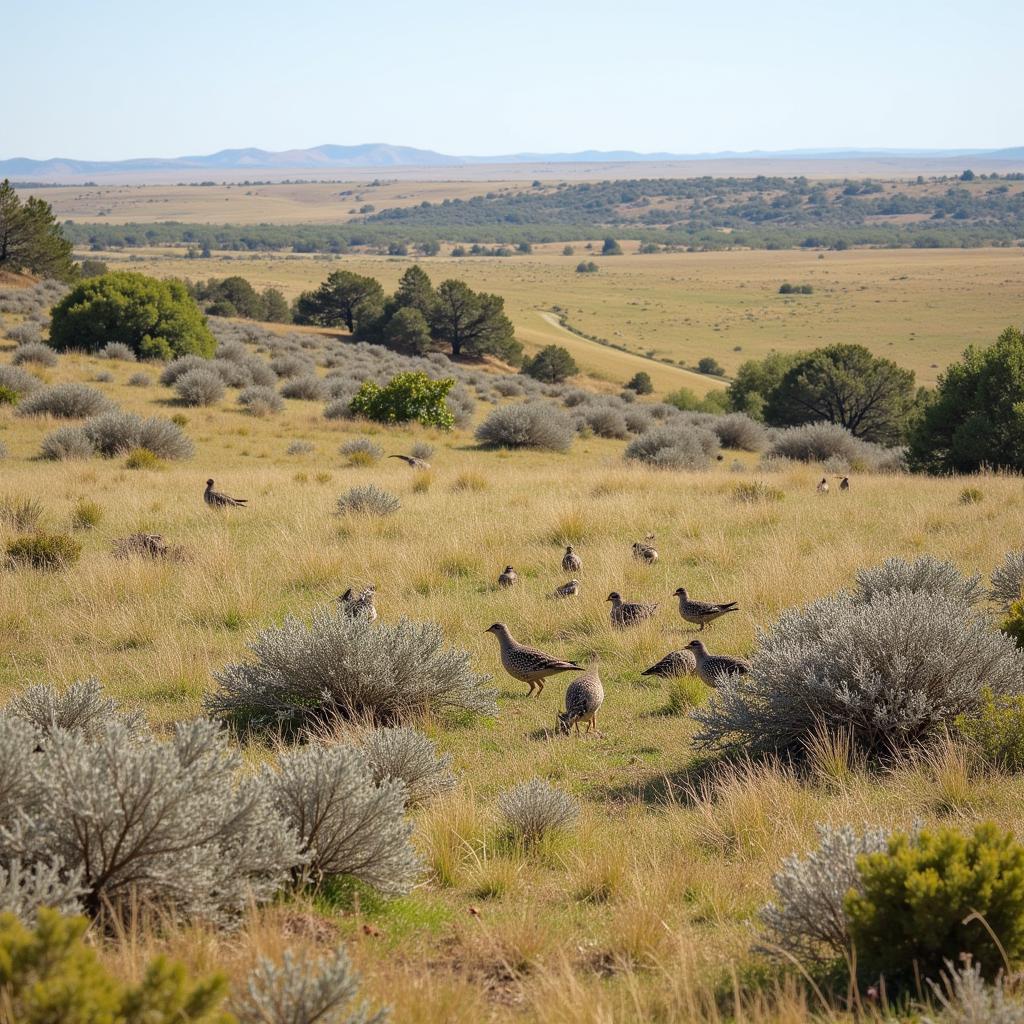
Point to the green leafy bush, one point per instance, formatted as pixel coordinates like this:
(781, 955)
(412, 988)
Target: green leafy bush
(997, 729)
(641, 383)
(44, 550)
(552, 364)
(154, 318)
(406, 397)
(48, 973)
(917, 895)
(1013, 624)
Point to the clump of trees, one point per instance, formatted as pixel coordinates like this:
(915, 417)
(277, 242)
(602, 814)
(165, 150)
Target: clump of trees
(30, 237)
(235, 296)
(156, 319)
(795, 289)
(552, 364)
(641, 383)
(587, 267)
(417, 318)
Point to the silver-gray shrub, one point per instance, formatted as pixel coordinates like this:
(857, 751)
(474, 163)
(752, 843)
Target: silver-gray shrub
(462, 404)
(118, 350)
(738, 431)
(179, 367)
(308, 387)
(260, 400)
(168, 821)
(67, 443)
(115, 433)
(199, 387)
(303, 675)
(34, 352)
(894, 672)
(339, 409)
(966, 998)
(527, 425)
(674, 446)
(836, 447)
(81, 707)
(924, 575)
(21, 382)
(422, 450)
(27, 333)
(298, 992)
(363, 447)
(139, 380)
(534, 809)
(67, 401)
(367, 501)
(292, 366)
(807, 917)
(299, 448)
(605, 421)
(409, 756)
(347, 823)
(24, 889)
(1008, 580)
(231, 373)
(637, 420)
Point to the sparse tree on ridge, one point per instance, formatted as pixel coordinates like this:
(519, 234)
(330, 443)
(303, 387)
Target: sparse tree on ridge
(473, 323)
(30, 237)
(342, 300)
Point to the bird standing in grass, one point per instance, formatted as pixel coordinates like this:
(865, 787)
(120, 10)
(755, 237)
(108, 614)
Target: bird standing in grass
(583, 699)
(823, 486)
(217, 500)
(527, 664)
(359, 606)
(646, 551)
(702, 612)
(628, 613)
(675, 663)
(844, 484)
(570, 560)
(711, 667)
(508, 578)
(570, 589)
(412, 461)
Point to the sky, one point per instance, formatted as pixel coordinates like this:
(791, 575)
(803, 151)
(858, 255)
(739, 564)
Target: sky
(115, 79)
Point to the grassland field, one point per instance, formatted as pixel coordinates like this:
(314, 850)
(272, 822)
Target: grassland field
(645, 912)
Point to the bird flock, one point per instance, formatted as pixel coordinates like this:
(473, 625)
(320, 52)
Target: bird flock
(584, 696)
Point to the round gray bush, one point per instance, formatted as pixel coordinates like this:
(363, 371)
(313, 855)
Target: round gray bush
(410, 757)
(260, 400)
(179, 367)
(606, 421)
(21, 382)
(674, 446)
(534, 809)
(527, 425)
(462, 404)
(292, 366)
(118, 350)
(308, 387)
(234, 375)
(68, 401)
(363, 449)
(925, 575)
(27, 333)
(737, 430)
(367, 501)
(817, 442)
(115, 433)
(1008, 580)
(299, 448)
(199, 387)
(67, 443)
(893, 672)
(35, 352)
(139, 380)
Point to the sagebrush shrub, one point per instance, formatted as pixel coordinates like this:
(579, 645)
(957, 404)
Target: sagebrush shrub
(737, 430)
(81, 707)
(907, 919)
(924, 575)
(367, 501)
(292, 366)
(118, 350)
(44, 551)
(199, 387)
(1008, 580)
(67, 443)
(361, 452)
(36, 352)
(965, 998)
(103, 377)
(534, 809)
(807, 916)
(308, 387)
(339, 409)
(527, 425)
(835, 446)
(116, 433)
(25, 333)
(347, 823)
(179, 367)
(299, 448)
(409, 756)
(18, 381)
(461, 404)
(67, 401)
(338, 667)
(421, 450)
(260, 400)
(298, 992)
(674, 446)
(24, 889)
(139, 380)
(606, 421)
(894, 672)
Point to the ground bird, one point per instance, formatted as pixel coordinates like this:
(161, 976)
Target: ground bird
(711, 667)
(844, 484)
(823, 486)
(359, 606)
(217, 500)
(583, 699)
(570, 560)
(570, 589)
(527, 664)
(508, 578)
(411, 460)
(628, 613)
(702, 612)
(675, 663)
(644, 553)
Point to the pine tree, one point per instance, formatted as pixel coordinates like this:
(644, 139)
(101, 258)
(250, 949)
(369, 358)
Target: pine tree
(30, 237)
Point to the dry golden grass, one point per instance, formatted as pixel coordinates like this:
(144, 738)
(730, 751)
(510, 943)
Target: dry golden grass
(645, 910)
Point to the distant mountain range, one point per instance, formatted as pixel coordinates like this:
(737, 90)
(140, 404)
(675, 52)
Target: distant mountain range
(380, 155)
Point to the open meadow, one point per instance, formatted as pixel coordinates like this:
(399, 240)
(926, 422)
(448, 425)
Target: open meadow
(647, 908)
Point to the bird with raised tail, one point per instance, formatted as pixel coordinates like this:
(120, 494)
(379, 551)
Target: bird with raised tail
(700, 613)
(508, 578)
(675, 663)
(646, 551)
(823, 486)
(571, 562)
(583, 699)
(569, 589)
(527, 664)
(711, 667)
(628, 613)
(217, 500)
(361, 605)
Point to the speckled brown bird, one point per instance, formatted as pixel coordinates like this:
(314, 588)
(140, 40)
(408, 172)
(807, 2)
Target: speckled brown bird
(571, 562)
(700, 613)
(412, 461)
(628, 613)
(823, 486)
(844, 484)
(217, 500)
(583, 699)
(527, 664)
(645, 552)
(508, 578)
(675, 663)
(569, 589)
(711, 667)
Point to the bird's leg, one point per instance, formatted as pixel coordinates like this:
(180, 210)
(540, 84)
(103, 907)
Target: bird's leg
(540, 687)
(530, 681)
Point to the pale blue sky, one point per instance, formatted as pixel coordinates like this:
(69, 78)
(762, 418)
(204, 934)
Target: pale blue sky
(112, 79)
